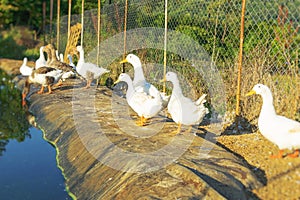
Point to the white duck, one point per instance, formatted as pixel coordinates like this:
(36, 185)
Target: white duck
(45, 76)
(88, 70)
(182, 109)
(283, 132)
(144, 105)
(41, 61)
(139, 82)
(24, 69)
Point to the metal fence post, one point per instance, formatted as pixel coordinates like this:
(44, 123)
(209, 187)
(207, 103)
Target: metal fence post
(58, 25)
(82, 20)
(125, 27)
(240, 61)
(165, 44)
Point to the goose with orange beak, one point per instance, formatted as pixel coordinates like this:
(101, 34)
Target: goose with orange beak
(182, 109)
(282, 131)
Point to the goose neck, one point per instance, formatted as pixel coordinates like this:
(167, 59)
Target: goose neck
(41, 53)
(53, 55)
(81, 56)
(138, 74)
(176, 88)
(49, 56)
(268, 106)
(130, 89)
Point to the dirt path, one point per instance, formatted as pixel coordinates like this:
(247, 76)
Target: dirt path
(281, 177)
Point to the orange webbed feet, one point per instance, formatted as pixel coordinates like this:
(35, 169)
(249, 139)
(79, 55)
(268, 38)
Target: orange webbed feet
(41, 90)
(295, 154)
(279, 155)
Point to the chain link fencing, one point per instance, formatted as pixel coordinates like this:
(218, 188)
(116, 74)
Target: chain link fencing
(270, 51)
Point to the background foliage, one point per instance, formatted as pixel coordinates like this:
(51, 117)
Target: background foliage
(271, 44)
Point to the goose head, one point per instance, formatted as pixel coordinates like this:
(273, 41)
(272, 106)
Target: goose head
(124, 77)
(260, 89)
(46, 49)
(25, 60)
(49, 46)
(264, 91)
(132, 59)
(49, 49)
(171, 76)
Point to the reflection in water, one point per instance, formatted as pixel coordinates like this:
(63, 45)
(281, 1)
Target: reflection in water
(13, 118)
(28, 169)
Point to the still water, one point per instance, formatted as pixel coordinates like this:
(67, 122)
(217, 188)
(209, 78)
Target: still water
(28, 168)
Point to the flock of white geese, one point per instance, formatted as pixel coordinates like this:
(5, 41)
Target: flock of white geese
(146, 100)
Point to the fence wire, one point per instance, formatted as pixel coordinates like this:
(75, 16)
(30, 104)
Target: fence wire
(270, 51)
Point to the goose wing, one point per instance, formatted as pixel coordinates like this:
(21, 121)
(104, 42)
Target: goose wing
(289, 125)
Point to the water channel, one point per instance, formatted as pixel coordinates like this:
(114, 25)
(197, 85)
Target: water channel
(28, 167)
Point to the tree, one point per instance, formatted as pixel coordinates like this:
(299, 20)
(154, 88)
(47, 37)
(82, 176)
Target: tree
(6, 12)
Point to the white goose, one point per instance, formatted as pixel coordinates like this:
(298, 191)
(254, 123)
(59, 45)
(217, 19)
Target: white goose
(182, 109)
(139, 82)
(24, 69)
(283, 132)
(144, 105)
(45, 76)
(68, 71)
(88, 70)
(41, 61)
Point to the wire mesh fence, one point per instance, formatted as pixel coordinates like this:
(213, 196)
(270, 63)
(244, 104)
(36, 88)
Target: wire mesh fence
(270, 50)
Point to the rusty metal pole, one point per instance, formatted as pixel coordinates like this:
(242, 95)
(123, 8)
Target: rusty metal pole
(98, 34)
(58, 25)
(82, 20)
(240, 61)
(69, 18)
(125, 27)
(165, 44)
